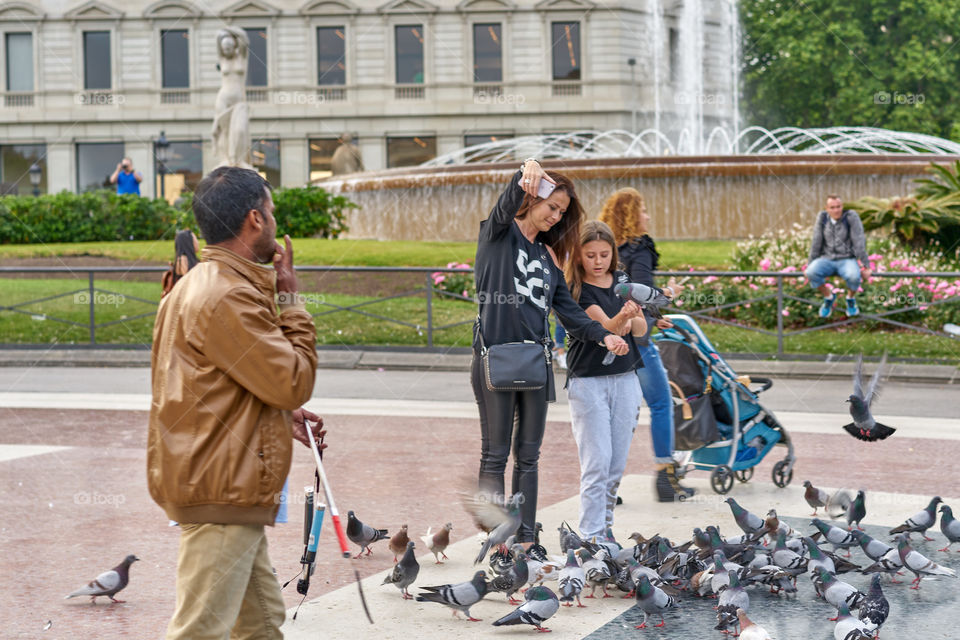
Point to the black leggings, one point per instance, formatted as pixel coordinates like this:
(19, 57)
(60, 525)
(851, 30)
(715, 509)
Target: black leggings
(505, 416)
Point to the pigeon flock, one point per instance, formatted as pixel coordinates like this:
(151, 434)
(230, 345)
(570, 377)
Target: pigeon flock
(763, 562)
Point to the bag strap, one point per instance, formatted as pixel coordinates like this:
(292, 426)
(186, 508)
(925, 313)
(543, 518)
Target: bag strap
(687, 412)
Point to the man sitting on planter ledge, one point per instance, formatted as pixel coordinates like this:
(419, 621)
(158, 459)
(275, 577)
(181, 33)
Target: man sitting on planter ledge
(838, 242)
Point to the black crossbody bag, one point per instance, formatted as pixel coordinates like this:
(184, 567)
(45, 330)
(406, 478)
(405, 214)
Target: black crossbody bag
(515, 366)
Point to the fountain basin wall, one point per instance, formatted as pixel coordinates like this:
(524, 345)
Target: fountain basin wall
(687, 198)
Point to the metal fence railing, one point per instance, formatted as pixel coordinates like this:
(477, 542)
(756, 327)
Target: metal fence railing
(90, 295)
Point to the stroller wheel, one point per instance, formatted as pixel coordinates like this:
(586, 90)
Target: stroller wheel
(721, 479)
(781, 476)
(744, 475)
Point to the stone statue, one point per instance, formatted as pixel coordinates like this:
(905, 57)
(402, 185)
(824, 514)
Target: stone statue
(231, 120)
(346, 159)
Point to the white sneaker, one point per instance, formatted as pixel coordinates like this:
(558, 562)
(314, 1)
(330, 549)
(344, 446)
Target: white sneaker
(562, 361)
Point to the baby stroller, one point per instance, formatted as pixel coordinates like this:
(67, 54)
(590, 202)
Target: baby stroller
(719, 423)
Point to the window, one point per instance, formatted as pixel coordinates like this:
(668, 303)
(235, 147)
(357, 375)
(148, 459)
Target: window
(331, 55)
(96, 60)
(257, 58)
(321, 157)
(175, 58)
(95, 162)
(566, 50)
(266, 159)
(674, 52)
(487, 53)
(19, 53)
(409, 50)
(409, 152)
(15, 163)
(184, 170)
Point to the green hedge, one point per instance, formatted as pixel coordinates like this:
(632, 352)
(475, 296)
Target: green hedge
(101, 216)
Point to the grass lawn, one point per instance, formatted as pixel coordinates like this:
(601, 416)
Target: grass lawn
(117, 304)
(701, 254)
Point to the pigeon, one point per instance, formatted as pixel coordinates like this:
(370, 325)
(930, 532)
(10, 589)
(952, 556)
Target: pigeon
(919, 564)
(864, 427)
(513, 579)
(816, 498)
(950, 527)
(568, 538)
(889, 563)
(732, 598)
(108, 583)
(839, 538)
(787, 559)
(848, 627)
(875, 549)
(597, 571)
(571, 581)
(459, 597)
(817, 559)
(438, 542)
(652, 599)
(541, 603)
(874, 609)
(748, 522)
(398, 543)
(857, 510)
(773, 525)
(362, 534)
(500, 521)
(838, 592)
(404, 572)
(749, 630)
(920, 521)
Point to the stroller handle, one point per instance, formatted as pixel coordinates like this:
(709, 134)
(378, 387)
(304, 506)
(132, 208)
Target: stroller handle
(765, 382)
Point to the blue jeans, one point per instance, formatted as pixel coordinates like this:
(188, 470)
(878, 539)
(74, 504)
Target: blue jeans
(656, 391)
(822, 268)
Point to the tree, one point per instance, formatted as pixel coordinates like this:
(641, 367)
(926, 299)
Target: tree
(879, 63)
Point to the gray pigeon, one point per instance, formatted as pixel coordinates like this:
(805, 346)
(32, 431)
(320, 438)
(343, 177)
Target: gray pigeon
(652, 599)
(857, 510)
(919, 564)
(499, 520)
(513, 579)
(848, 627)
(874, 609)
(597, 570)
(787, 559)
(541, 603)
(889, 563)
(839, 538)
(920, 522)
(875, 549)
(748, 522)
(732, 598)
(864, 427)
(460, 596)
(950, 527)
(571, 581)
(838, 592)
(405, 572)
(568, 538)
(362, 534)
(107, 583)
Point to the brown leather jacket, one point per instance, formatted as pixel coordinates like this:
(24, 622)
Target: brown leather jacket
(226, 372)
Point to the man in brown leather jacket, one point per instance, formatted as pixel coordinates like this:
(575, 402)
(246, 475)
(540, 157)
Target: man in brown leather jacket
(230, 372)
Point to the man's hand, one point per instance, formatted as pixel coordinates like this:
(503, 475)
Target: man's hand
(283, 264)
(300, 429)
(664, 323)
(616, 344)
(866, 273)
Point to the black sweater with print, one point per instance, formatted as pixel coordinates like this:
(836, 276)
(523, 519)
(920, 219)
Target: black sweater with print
(518, 282)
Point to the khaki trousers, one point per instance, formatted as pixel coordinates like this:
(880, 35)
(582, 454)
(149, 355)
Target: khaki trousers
(225, 585)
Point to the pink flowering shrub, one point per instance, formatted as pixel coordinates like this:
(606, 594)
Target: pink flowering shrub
(459, 284)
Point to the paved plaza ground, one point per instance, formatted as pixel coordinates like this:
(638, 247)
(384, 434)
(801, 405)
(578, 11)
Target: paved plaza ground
(402, 443)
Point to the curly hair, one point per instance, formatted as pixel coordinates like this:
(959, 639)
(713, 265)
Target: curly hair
(621, 212)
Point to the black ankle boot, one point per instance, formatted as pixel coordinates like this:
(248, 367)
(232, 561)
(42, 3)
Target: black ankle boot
(675, 482)
(664, 488)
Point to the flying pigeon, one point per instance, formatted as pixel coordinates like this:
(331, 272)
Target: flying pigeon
(459, 597)
(848, 627)
(732, 598)
(362, 534)
(857, 510)
(864, 427)
(405, 572)
(398, 543)
(919, 564)
(920, 521)
(438, 542)
(874, 609)
(749, 630)
(652, 599)
(571, 581)
(816, 498)
(107, 583)
(748, 522)
(541, 603)
(949, 526)
(500, 521)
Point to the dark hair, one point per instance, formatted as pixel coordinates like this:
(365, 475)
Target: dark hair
(183, 245)
(564, 236)
(224, 198)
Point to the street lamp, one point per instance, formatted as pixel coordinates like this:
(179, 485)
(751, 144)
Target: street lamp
(36, 173)
(163, 156)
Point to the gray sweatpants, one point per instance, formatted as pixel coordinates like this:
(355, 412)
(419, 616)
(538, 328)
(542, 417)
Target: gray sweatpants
(604, 411)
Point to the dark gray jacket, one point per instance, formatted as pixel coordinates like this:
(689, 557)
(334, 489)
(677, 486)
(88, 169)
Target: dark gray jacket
(845, 239)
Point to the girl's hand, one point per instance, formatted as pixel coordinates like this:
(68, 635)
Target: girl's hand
(664, 323)
(616, 344)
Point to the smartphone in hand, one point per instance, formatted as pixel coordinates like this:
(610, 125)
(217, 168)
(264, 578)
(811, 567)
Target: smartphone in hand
(545, 189)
